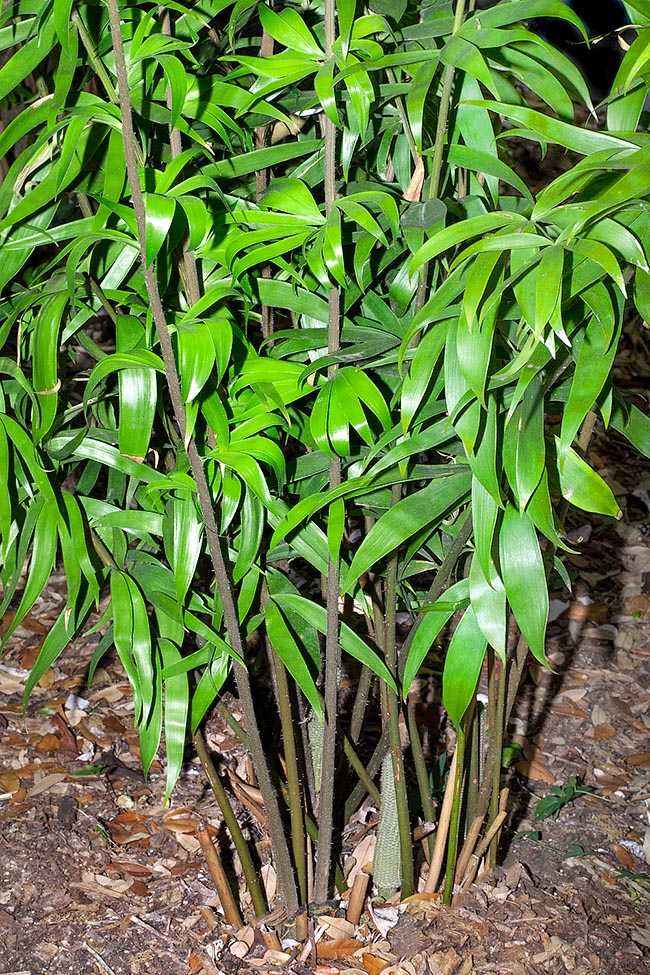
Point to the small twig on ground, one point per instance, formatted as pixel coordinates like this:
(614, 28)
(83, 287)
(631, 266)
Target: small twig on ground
(98, 958)
(147, 927)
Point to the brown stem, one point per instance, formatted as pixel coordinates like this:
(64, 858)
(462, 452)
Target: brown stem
(421, 772)
(220, 879)
(357, 897)
(294, 792)
(372, 768)
(443, 830)
(229, 818)
(359, 767)
(287, 884)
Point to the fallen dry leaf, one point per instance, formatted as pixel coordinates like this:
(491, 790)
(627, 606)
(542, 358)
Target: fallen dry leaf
(605, 731)
(610, 782)
(48, 744)
(599, 715)
(125, 866)
(638, 759)
(139, 889)
(374, 964)
(361, 857)
(425, 904)
(128, 827)
(401, 968)
(641, 936)
(9, 782)
(271, 957)
(533, 769)
(46, 783)
(68, 741)
(242, 942)
(335, 927)
(181, 825)
(624, 857)
(340, 948)
(384, 917)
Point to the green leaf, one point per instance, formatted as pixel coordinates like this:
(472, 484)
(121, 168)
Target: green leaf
(474, 350)
(290, 29)
(354, 384)
(593, 368)
(485, 511)
(335, 528)
(601, 255)
(28, 57)
(6, 514)
(484, 456)
(196, 357)
(524, 578)
(122, 360)
(138, 393)
(540, 509)
(459, 233)
(633, 424)
(332, 248)
(177, 697)
(150, 731)
(251, 162)
(362, 94)
(90, 448)
(488, 597)
(22, 442)
(527, 428)
(462, 668)
(316, 616)
(159, 214)
(251, 519)
(293, 196)
(307, 635)
(410, 515)
(429, 625)
(329, 425)
(422, 371)
(290, 654)
(582, 486)
(549, 286)
(178, 85)
(64, 629)
(478, 288)
(132, 638)
(345, 11)
(183, 540)
(44, 548)
(45, 362)
(583, 141)
(418, 97)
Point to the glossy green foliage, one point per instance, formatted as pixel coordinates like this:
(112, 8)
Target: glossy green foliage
(479, 321)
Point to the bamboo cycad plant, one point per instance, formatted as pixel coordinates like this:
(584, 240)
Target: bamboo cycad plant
(348, 368)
